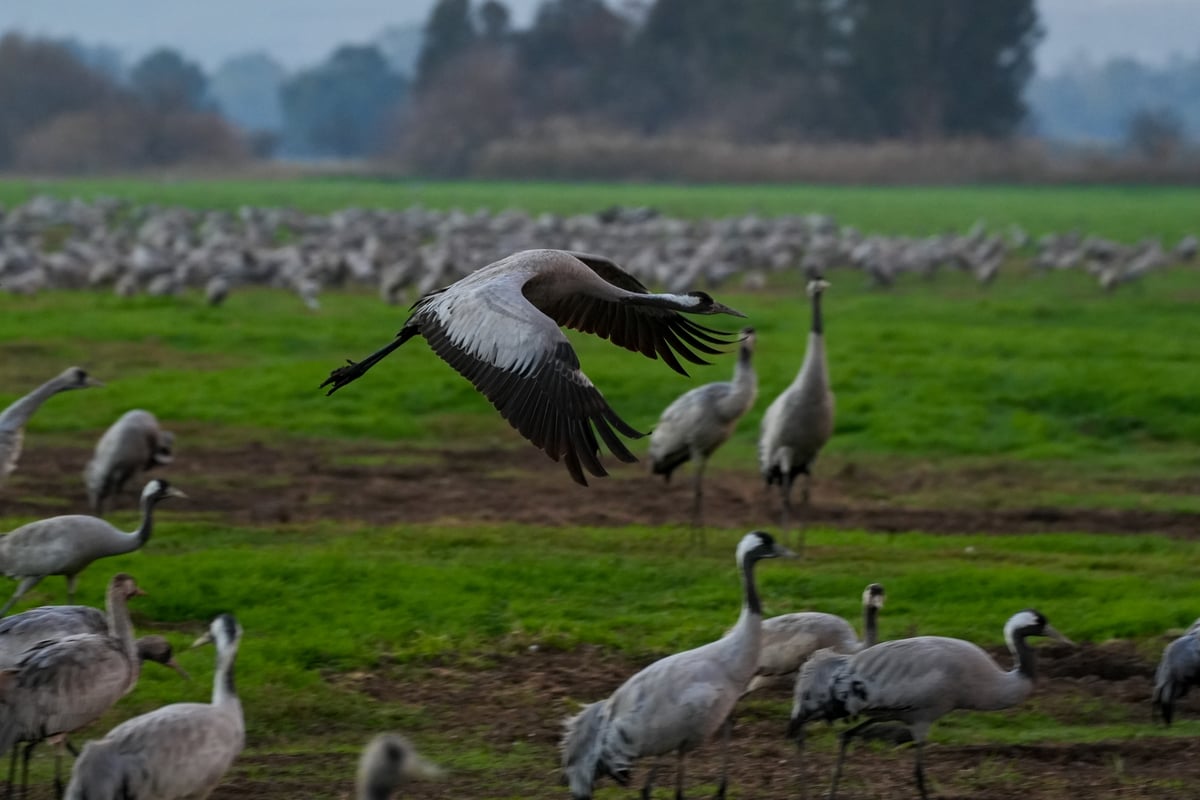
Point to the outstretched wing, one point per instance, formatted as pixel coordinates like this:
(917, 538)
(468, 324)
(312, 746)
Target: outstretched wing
(650, 330)
(519, 359)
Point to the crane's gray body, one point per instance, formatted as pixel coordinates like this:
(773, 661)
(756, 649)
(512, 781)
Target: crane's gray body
(131, 445)
(1178, 671)
(789, 640)
(14, 417)
(177, 751)
(799, 422)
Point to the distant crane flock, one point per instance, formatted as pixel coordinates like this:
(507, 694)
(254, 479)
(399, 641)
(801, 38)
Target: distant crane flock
(500, 327)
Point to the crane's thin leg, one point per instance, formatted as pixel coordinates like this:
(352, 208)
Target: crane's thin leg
(803, 779)
(844, 738)
(58, 782)
(25, 771)
(726, 734)
(24, 586)
(698, 496)
(919, 771)
(72, 582)
(679, 776)
(12, 771)
(648, 787)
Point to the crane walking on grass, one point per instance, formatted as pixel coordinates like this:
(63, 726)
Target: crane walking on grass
(1178, 672)
(61, 685)
(67, 545)
(675, 704)
(133, 444)
(175, 752)
(499, 328)
(800, 420)
(701, 420)
(789, 640)
(917, 681)
(13, 418)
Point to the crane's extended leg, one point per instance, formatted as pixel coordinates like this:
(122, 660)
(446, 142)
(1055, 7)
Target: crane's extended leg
(803, 779)
(698, 495)
(726, 735)
(72, 583)
(24, 586)
(844, 738)
(25, 771)
(919, 771)
(12, 771)
(648, 786)
(679, 775)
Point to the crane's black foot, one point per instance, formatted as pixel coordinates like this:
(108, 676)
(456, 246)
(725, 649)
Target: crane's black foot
(344, 375)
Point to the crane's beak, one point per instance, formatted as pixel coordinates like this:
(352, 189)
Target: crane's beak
(173, 492)
(92, 383)
(1053, 634)
(417, 766)
(721, 308)
(203, 640)
(783, 552)
(173, 664)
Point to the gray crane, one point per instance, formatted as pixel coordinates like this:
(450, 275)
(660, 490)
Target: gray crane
(917, 681)
(389, 761)
(177, 751)
(61, 685)
(22, 631)
(789, 640)
(799, 421)
(131, 445)
(13, 418)
(1178, 672)
(499, 328)
(701, 420)
(675, 704)
(67, 545)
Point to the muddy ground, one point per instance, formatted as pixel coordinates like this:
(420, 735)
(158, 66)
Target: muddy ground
(514, 705)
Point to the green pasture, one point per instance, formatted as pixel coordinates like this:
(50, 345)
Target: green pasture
(1048, 390)
(1121, 212)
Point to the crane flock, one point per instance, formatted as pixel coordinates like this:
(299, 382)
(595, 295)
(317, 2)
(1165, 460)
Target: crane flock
(61, 667)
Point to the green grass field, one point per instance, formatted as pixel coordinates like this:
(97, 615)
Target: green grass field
(1076, 397)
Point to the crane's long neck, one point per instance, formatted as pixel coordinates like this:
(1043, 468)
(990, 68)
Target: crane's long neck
(19, 412)
(870, 625)
(224, 690)
(137, 539)
(744, 386)
(1007, 689)
(1026, 665)
(818, 322)
(120, 627)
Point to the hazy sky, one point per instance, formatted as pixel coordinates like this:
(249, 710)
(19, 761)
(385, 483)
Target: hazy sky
(302, 32)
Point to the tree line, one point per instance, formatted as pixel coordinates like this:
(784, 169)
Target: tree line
(770, 71)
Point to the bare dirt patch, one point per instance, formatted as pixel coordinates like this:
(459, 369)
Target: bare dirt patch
(262, 483)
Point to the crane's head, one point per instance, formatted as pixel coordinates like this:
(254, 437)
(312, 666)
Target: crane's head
(158, 489)
(816, 285)
(388, 761)
(1030, 622)
(77, 378)
(159, 650)
(224, 631)
(757, 545)
(704, 304)
(748, 338)
(873, 596)
(124, 585)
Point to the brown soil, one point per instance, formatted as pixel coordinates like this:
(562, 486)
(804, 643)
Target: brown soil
(512, 708)
(259, 483)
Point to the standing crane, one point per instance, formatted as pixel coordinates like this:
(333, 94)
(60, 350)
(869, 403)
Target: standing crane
(675, 704)
(1178, 672)
(917, 681)
(789, 640)
(701, 420)
(61, 685)
(13, 418)
(499, 328)
(175, 752)
(133, 444)
(67, 545)
(799, 421)
(389, 761)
